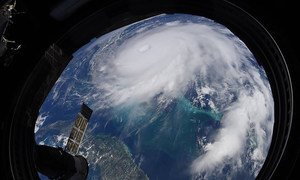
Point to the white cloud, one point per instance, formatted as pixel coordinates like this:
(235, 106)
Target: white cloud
(171, 57)
(40, 121)
(229, 144)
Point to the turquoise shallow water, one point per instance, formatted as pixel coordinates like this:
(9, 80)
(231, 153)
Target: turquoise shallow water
(173, 129)
(190, 108)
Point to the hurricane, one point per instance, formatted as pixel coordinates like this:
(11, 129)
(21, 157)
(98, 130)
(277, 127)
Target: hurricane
(176, 87)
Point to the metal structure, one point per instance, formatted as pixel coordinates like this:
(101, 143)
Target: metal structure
(78, 130)
(56, 163)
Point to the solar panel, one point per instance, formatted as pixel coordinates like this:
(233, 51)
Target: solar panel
(78, 130)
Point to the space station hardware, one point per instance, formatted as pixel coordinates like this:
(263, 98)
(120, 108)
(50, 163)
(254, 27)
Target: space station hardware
(78, 130)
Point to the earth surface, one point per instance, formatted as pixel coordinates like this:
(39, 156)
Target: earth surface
(175, 96)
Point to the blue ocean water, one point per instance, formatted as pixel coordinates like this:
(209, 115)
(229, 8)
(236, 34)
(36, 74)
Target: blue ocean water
(163, 139)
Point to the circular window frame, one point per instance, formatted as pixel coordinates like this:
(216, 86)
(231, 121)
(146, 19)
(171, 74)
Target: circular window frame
(121, 13)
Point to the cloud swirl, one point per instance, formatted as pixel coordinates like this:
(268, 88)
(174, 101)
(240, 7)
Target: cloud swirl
(139, 62)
